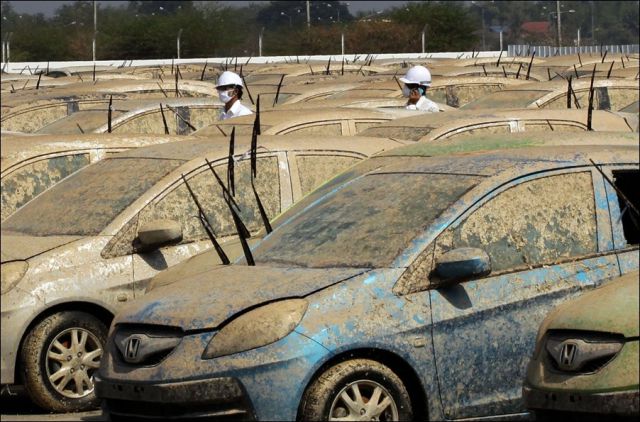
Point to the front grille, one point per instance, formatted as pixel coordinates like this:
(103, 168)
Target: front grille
(581, 352)
(145, 345)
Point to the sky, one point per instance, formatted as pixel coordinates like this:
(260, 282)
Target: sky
(48, 7)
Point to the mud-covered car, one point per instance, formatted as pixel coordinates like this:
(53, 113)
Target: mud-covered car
(408, 286)
(86, 246)
(587, 356)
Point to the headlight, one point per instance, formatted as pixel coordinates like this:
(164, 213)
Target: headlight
(11, 273)
(256, 328)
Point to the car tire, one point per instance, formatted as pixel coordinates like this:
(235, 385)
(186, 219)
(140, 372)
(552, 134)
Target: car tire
(346, 389)
(59, 356)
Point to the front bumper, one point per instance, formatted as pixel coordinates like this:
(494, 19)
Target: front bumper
(615, 403)
(223, 398)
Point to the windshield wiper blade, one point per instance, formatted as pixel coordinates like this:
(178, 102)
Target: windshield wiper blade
(230, 163)
(207, 225)
(227, 197)
(243, 232)
(624, 198)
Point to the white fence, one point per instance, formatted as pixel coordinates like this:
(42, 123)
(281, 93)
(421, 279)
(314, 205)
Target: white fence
(548, 51)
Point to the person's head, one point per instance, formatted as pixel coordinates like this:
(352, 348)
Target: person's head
(229, 87)
(416, 81)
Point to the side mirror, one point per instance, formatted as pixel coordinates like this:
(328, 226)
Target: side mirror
(460, 264)
(157, 233)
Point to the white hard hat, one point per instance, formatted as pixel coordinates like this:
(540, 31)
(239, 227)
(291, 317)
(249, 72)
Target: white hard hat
(229, 78)
(417, 75)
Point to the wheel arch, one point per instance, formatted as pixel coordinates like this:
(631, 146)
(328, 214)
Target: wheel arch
(390, 359)
(92, 308)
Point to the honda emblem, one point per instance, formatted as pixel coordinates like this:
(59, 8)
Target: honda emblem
(133, 344)
(567, 355)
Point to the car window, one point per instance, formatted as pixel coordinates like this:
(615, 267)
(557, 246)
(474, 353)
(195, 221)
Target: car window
(361, 126)
(456, 96)
(150, 122)
(627, 183)
(313, 170)
(324, 128)
(621, 98)
(550, 126)
(535, 223)
(22, 185)
(365, 223)
(476, 130)
(86, 202)
(178, 205)
(408, 133)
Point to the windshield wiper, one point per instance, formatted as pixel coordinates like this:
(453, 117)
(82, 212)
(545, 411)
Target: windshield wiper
(243, 232)
(230, 163)
(207, 225)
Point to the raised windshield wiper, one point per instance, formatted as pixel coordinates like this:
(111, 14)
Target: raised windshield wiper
(207, 225)
(230, 163)
(243, 233)
(254, 168)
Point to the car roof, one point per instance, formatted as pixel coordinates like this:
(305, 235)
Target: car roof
(493, 162)
(514, 141)
(198, 147)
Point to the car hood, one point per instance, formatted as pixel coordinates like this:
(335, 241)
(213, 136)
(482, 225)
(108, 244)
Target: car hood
(20, 248)
(611, 308)
(206, 300)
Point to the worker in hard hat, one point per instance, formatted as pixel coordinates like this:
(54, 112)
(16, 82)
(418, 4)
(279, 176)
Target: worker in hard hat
(416, 82)
(229, 87)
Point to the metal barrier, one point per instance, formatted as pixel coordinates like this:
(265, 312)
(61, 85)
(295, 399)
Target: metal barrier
(548, 51)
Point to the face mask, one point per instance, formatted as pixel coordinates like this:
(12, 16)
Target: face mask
(224, 96)
(406, 91)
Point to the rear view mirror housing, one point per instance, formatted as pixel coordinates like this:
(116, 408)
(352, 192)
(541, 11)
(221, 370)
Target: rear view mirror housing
(157, 233)
(459, 265)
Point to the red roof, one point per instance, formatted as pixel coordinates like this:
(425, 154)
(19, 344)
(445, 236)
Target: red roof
(536, 27)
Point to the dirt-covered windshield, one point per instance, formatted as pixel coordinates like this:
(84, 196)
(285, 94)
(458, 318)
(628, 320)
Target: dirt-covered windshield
(87, 201)
(365, 223)
(506, 99)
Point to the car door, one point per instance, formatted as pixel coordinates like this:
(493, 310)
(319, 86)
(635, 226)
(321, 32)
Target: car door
(547, 237)
(625, 223)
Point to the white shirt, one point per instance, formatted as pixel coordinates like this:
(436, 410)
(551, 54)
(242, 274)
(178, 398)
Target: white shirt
(424, 104)
(236, 110)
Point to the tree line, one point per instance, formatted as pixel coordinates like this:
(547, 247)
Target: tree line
(149, 29)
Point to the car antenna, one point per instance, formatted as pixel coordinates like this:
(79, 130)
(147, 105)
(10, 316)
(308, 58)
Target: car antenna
(622, 195)
(203, 69)
(275, 100)
(243, 232)
(207, 226)
(530, 63)
(248, 92)
(164, 120)
(591, 92)
(230, 163)
(109, 113)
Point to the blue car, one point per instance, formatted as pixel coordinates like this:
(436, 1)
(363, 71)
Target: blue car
(409, 287)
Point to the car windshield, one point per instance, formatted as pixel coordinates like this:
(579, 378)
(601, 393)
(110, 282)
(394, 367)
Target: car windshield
(365, 223)
(505, 99)
(409, 133)
(84, 203)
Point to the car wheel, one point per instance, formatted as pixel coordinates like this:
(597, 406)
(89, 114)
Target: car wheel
(358, 389)
(59, 357)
